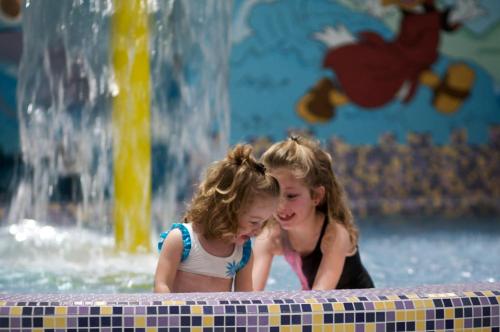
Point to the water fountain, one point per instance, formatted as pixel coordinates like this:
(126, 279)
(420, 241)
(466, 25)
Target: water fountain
(102, 86)
(127, 102)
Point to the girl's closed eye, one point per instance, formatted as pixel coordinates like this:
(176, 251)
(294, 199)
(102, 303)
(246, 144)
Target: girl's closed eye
(291, 196)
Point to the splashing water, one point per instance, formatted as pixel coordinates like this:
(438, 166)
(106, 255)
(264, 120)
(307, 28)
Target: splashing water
(65, 90)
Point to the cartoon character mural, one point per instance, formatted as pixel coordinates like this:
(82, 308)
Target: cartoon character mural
(371, 72)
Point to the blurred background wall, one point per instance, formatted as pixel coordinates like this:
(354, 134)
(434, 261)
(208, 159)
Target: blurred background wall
(408, 104)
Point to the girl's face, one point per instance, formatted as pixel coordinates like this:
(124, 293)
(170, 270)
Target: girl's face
(252, 219)
(296, 204)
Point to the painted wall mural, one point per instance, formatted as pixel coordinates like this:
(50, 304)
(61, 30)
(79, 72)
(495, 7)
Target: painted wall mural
(405, 94)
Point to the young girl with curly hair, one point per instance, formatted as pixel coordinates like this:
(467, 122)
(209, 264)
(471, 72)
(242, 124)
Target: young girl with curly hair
(211, 251)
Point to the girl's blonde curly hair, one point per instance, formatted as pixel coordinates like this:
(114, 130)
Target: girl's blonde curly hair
(229, 187)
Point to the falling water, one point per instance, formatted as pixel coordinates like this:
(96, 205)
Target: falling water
(65, 90)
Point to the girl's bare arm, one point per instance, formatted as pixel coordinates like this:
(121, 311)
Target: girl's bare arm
(335, 246)
(168, 262)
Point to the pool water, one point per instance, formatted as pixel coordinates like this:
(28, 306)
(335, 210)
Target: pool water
(398, 252)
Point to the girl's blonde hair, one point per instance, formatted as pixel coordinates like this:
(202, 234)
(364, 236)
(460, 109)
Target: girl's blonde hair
(310, 163)
(229, 187)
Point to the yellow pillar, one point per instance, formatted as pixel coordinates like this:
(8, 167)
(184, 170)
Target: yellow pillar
(131, 126)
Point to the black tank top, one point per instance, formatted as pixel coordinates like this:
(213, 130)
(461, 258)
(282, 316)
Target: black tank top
(354, 274)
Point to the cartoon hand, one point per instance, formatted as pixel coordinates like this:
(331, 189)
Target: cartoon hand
(465, 10)
(334, 38)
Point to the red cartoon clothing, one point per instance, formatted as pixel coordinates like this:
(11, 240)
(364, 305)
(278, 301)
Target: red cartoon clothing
(371, 71)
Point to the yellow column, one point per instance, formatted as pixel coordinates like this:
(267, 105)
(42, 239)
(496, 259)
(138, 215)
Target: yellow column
(131, 126)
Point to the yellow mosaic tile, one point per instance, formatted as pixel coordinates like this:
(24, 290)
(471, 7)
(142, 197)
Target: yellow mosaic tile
(389, 305)
(469, 294)
(420, 315)
(60, 322)
(429, 304)
(317, 328)
(37, 330)
(317, 319)
(173, 302)
(328, 328)
(16, 311)
(154, 329)
(139, 321)
(285, 328)
(419, 304)
(379, 305)
(353, 299)
(400, 315)
(273, 308)
(458, 323)
(274, 320)
(338, 306)
(370, 327)
(393, 297)
(106, 310)
(196, 309)
(338, 328)
(49, 322)
(61, 311)
(349, 328)
(488, 293)
(420, 326)
(208, 321)
(296, 328)
(99, 303)
(310, 300)
(316, 307)
(2, 303)
(410, 315)
(449, 313)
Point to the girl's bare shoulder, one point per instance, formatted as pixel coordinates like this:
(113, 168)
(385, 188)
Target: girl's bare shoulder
(336, 238)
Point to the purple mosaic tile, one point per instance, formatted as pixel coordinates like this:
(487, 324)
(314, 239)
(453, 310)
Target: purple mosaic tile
(128, 321)
(252, 320)
(151, 321)
(162, 321)
(15, 322)
(71, 322)
(128, 310)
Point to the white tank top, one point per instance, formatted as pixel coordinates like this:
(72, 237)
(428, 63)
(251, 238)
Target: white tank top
(199, 261)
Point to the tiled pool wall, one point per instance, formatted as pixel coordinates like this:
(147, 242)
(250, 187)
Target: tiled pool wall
(465, 307)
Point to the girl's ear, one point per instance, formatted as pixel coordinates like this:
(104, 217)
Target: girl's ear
(318, 194)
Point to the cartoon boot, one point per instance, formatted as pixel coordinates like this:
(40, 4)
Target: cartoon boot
(318, 104)
(454, 88)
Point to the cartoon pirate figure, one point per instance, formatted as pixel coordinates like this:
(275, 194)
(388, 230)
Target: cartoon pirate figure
(370, 71)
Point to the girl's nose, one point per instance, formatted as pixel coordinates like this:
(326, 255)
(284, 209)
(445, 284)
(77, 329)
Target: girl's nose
(281, 204)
